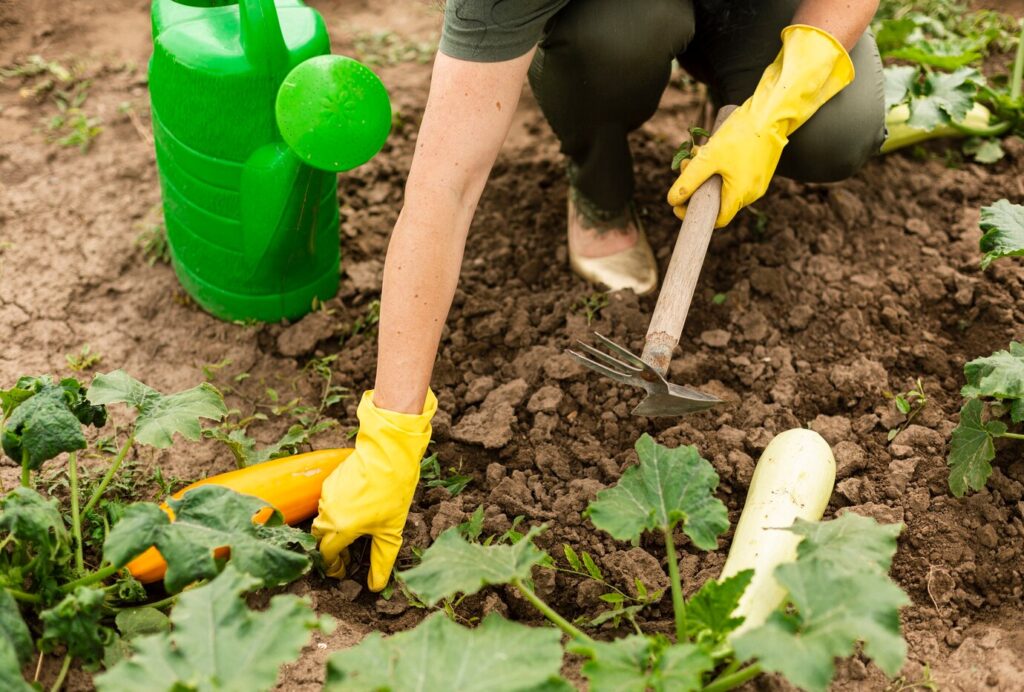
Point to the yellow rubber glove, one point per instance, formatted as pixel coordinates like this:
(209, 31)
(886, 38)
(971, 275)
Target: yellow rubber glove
(811, 68)
(370, 493)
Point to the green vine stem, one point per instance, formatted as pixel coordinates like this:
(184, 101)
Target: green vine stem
(1018, 66)
(76, 520)
(548, 612)
(734, 680)
(678, 605)
(109, 476)
(22, 596)
(1012, 436)
(64, 667)
(97, 576)
(26, 478)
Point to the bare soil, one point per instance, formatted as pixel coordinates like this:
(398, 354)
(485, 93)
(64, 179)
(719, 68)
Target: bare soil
(845, 292)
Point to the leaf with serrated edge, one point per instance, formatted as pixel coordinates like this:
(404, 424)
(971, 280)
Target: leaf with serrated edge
(46, 419)
(1000, 376)
(218, 643)
(640, 663)
(1003, 227)
(75, 622)
(850, 542)
(207, 518)
(898, 81)
(35, 521)
(669, 485)
(971, 449)
(497, 656)
(944, 97)
(160, 416)
(452, 565)
(708, 613)
(838, 602)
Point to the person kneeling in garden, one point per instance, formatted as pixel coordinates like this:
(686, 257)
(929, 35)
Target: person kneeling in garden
(809, 80)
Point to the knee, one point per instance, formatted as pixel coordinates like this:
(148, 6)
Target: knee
(840, 138)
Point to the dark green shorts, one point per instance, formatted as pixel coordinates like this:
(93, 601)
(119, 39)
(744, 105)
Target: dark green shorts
(603, 64)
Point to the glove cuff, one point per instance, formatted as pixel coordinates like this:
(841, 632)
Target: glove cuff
(408, 423)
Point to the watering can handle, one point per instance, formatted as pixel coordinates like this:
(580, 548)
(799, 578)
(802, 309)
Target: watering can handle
(261, 37)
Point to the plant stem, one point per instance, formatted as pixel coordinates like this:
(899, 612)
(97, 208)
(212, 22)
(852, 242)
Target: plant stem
(98, 575)
(733, 680)
(548, 612)
(76, 520)
(109, 476)
(23, 596)
(1018, 66)
(990, 131)
(59, 682)
(26, 479)
(1012, 436)
(678, 606)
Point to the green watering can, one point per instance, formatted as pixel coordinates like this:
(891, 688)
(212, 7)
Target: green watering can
(252, 120)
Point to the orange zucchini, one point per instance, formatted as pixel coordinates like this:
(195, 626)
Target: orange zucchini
(290, 484)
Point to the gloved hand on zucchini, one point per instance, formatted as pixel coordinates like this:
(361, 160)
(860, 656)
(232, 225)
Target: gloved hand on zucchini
(371, 492)
(811, 68)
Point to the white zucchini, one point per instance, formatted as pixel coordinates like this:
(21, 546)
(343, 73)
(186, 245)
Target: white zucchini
(793, 479)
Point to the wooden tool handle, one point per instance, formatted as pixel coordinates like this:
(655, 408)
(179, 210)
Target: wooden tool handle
(684, 268)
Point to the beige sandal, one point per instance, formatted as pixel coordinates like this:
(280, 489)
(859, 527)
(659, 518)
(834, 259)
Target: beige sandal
(634, 268)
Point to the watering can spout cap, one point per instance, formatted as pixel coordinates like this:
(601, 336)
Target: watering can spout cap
(333, 112)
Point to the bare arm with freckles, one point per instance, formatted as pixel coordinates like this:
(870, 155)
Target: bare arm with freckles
(467, 117)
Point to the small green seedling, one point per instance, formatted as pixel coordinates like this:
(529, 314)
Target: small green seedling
(688, 149)
(910, 404)
(152, 240)
(85, 359)
(592, 305)
(434, 477)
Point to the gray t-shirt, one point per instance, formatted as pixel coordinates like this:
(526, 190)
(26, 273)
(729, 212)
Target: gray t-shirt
(494, 30)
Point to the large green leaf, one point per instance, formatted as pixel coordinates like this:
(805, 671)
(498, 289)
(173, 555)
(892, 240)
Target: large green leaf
(160, 416)
(971, 449)
(75, 622)
(850, 542)
(35, 521)
(668, 486)
(243, 447)
(1000, 376)
(639, 663)
(46, 419)
(899, 80)
(217, 643)
(497, 656)
(1003, 226)
(453, 565)
(708, 616)
(207, 518)
(943, 97)
(839, 601)
(15, 645)
(133, 623)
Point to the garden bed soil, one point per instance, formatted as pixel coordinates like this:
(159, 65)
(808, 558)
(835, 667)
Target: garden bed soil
(841, 293)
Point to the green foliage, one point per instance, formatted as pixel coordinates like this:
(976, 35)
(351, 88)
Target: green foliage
(43, 419)
(36, 524)
(131, 624)
(688, 149)
(217, 643)
(207, 518)
(842, 595)
(709, 613)
(453, 565)
(1003, 227)
(75, 622)
(910, 403)
(85, 359)
(995, 383)
(668, 486)
(497, 656)
(433, 477)
(152, 240)
(244, 449)
(15, 644)
(591, 305)
(160, 416)
(641, 663)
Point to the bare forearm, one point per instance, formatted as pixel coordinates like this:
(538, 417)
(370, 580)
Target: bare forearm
(845, 19)
(468, 114)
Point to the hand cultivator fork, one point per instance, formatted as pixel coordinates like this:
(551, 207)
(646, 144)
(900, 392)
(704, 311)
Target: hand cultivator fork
(648, 371)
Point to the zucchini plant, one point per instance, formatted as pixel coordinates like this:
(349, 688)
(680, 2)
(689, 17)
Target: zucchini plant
(830, 593)
(937, 90)
(57, 597)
